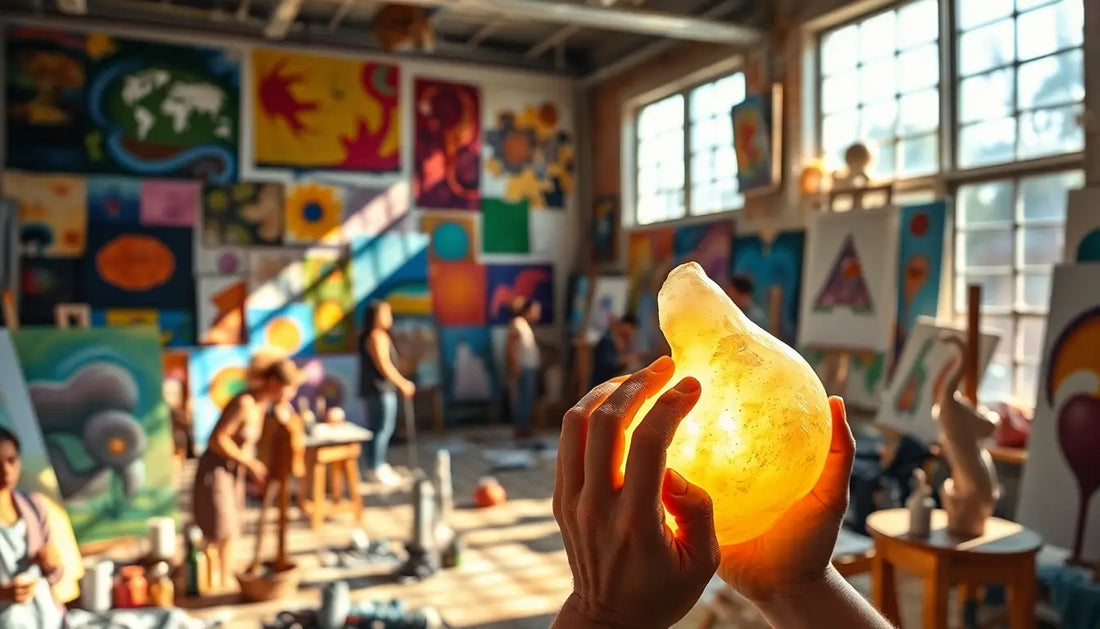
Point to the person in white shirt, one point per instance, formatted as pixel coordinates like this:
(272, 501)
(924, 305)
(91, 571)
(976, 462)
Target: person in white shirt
(522, 359)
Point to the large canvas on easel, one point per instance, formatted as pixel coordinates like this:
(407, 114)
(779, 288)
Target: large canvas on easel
(850, 295)
(1058, 495)
(99, 401)
(921, 376)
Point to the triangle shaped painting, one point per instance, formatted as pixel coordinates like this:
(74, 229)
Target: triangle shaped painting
(845, 286)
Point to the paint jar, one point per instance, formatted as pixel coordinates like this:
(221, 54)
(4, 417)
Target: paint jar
(96, 586)
(162, 539)
(131, 589)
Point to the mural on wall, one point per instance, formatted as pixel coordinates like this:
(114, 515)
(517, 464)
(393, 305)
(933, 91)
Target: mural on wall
(447, 162)
(453, 237)
(243, 214)
(920, 255)
(170, 203)
(328, 290)
(98, 397)
(215, 376)
(53, 213)
(507, 282)
(505, 227)
(605, 229)
(416, 340)
(146, 267)
(393, 268)
(775, 268)
(220, 306)
(95, 103)
(368, 212)
(314, 214)
(529, 151)
(708, 244)
(459, 293)
(44, 283)
(331, 113)
(467, 356)
(288, 329)
(114, 201)
(276, 277)
(1082, 226)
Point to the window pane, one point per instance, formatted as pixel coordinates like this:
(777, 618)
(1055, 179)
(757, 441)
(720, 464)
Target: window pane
(840, 91)
(985, 203)
(840, 50)
(1050, 131)
(986, 96)
(702, 168)
(883, 159)
(1027, 384)
(987, 47)
(725, 164)
(1049, 29)
(877, 80)
(918, 112)
(1052, 80)
(1044, 198)
(985, 248)
(1041, 245)
(987, 142)
(877, 36)
(918, 22)
(838, 132)
(878, 120)
(997, 383)
(918, 156)
(971, 13)
(672, 175)
(1034, 291)
(1024, 5)
(711, 132)
(716, 98)
(1029, 342)
(918, 68)
(1005, 329)
(661, 116)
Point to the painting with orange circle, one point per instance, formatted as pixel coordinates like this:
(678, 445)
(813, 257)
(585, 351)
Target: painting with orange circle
(289, 329)
(459, 293)
(139, 267)
(215, 374)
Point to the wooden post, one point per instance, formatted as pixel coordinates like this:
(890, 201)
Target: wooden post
(973, 342)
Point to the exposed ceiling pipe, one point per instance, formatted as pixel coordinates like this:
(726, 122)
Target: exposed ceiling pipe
(482, 33)
(341, 13)
(558, 37)
(282, 18)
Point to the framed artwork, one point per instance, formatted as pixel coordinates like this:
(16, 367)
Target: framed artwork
(288, 329)
(52, 211)
(114, 200)
(453, 236)
(314, 214)
(139, 267)
(328, 290)
(460, 293)
(920, 264)
(605, 229)
(507, 282)
(166, 203)
(447, 161)
(243, 214)
(505, 227)
(467, 357)
(775, 268)
(530, 152)
(609, 299)
(758, 140)
(1083, 226)
(215, 376)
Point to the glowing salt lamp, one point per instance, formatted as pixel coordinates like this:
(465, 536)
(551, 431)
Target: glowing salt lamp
(758, 437)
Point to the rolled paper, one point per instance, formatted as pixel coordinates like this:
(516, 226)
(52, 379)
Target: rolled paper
(162, 539)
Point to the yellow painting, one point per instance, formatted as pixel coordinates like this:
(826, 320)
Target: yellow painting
(330, 113)
(53, 213)
(314, 214)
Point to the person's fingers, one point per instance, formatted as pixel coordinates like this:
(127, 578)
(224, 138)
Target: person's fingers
(606, 425)
(645, 465)
(832, 487)
(574, 435)
(693, 511)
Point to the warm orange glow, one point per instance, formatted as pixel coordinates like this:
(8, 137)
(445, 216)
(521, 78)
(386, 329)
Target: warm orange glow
(758, 438)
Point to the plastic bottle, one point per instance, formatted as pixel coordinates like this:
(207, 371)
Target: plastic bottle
(162, 592)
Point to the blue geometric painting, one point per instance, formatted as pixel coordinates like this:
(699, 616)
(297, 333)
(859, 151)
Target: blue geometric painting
(215, 375)
(114, 201)
(773, 266)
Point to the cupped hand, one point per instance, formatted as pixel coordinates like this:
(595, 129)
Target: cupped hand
(795, 554)
(629, 569)
(258, 470)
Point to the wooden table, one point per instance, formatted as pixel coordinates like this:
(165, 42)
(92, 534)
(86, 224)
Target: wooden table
(1005, 554)
(333, 449)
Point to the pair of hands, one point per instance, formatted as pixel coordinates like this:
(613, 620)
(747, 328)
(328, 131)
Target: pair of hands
(629, 568)
(22, 588)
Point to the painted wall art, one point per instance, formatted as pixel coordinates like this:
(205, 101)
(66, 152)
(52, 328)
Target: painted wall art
(708, 244)
(416, 340)
(467, 356)
(142, 267)
(243, 214)
(920, 263)
(1083, 226)
(328, 290)
(221, 260)
(220, 304)
(609, 301)
(605, 229)
(97, 394)
(577, 308)
(775, 268)
(507, 282)
(393, 268)
(369, 212)
(867, 380)
(215, 376)
(459, 293)
(176, 328)
(17, 415)
(288, 329)
(453, 237)
(447, 162)
(505, 227)
(166, 203)
(114, 200)
(324, 113)
(530, 150)
(95, 103)
(53, 213)
(46, 282)
(335, 379)
(314, 214)
(757, 140)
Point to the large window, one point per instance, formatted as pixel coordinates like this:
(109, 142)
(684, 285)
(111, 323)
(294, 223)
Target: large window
(686, 163)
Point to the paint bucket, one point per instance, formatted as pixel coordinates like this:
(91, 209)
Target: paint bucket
(96, 587)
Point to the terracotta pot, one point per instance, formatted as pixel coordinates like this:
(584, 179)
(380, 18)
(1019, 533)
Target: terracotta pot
(270, 585)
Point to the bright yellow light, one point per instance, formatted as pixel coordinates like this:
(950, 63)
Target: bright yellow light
(758, 438)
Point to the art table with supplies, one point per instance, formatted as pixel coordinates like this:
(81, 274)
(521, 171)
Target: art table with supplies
(333, 448)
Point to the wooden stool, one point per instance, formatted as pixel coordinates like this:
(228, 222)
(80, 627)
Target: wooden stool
(1004, 555)
(342, 461)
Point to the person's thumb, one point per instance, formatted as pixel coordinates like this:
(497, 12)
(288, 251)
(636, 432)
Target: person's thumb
(693, 512)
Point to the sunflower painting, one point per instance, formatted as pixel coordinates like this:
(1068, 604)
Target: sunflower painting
(529, 152)
(314, 213)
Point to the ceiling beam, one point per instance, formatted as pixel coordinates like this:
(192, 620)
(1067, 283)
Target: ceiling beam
(624, 20)
(558, 37)
(282, 18)
(484, 32)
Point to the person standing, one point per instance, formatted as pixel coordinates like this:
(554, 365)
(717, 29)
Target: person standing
(379, 384)
(612, 356)
(523, 358)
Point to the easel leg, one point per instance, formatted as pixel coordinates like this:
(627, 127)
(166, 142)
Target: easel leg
(317, 517)
(351, 470)
(265, 505)
(281, 562)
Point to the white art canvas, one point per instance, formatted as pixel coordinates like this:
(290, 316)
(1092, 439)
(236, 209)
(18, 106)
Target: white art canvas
(1083, 226)
(849, 296)
(925, 366)
(609, 297)
(1058, 496)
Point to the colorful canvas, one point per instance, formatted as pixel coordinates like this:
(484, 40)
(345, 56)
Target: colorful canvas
(98, 397)
(774, 267)
(243, 214)
(288, 329)
(506, 282)
(94, 103)
(609, 296)
(467, 356)
(336, 380)
(1058, 495)
(459, 293)
(448, 145)
(314, 214)
(393, 268)
(605, 229)
(505, 227)
(114, 201)
(577, 308)
(221, 260)
(221, 306)
(276, 277)
(416, 340)
(17, 415)
(328, 290)
(866, 381)
(753, 141)
(44, 283)
(53, 213)
(215, 376)
(709, 245)
(176, 328)
(139, 267)
(530, 151)
(167, 203)
(368, 212)
(331, 113)
(1083, 226)
(849, 301)
(454, 237)
(649, 258)
(920, 262)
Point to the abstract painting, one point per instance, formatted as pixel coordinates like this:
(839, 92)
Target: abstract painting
(167, 203)
(709, 245)
(459, 293)
(757, 140)
(314, 214)
(448, 145)
(919, 380)
(328, 290)
(649, 258)
(220, 302)
(368, 212)
(44, 283)
(243, 214)
(95, 103)
(920, 263)
(288, 329)
(416, 340)
(221, 260)
(139, 267)
(454, 237)
(393, 268)
(577, 308)
(99, 401)
(467, 357)
(866, 380)
(114, 200)
(325, 113)
(609, 297)
(273, 287)
(1083, 226)
(849, 300)
(53, 213)
(605, 229)
(530, 151)
(1058, 495)
(505, 227)
(507, 282)
(775, 268)
(215, 376)
(336, 380)
(176, 328)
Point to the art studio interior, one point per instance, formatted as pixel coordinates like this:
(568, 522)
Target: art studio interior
(550, 313)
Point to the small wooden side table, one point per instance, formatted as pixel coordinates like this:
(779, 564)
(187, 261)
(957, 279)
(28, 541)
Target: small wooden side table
(1004, 555)
(333, 449)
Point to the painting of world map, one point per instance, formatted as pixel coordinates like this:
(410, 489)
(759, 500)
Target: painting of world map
(95, 103)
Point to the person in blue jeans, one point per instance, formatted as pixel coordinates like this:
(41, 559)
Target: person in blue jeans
(380, 383)
(523, 364)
